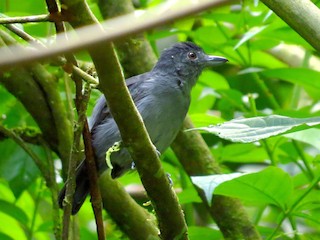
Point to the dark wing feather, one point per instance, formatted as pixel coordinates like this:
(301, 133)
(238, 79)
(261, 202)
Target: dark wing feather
(101, 110)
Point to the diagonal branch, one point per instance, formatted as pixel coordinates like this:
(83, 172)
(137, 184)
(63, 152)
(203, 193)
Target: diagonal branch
(115, 29)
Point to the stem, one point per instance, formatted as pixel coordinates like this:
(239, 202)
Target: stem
(269, 151)
(295, 204)
(34, 215)
(294, 227)
(252, 104)
(91, 164)
(53, 187)
(263, 87)
(303, 158)
(85, 76)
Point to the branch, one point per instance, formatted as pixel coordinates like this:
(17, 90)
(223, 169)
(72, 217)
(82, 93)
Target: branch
(25, 19)
(114, 29)
(196, 159)
(92, 172)
(22, 85)
(303, 16)
(48, 84)
(27, 134)
(130, 47)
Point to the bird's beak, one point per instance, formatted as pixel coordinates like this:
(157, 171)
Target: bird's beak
(214, 60)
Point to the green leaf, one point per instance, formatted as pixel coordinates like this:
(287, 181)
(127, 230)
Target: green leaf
(260, 187)
(257, 128)
(17, 167)
(4, 236)
(209, 183)
(14, 211)
(250, 34)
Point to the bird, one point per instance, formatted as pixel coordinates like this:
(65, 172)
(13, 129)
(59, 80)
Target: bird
(162, 97)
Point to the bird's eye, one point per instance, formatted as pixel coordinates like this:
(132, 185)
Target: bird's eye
(192, 55)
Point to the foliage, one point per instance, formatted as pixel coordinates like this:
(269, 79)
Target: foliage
(275, 178)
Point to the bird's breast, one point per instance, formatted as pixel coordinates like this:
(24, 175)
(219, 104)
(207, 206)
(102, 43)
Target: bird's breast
(163, 114)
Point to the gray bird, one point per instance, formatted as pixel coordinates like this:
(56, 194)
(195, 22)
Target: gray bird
(162, 96)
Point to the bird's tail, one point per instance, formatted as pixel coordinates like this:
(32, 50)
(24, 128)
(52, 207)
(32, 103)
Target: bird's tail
(81, 191)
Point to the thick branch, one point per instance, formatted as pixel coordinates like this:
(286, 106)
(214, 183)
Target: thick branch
(303, 16)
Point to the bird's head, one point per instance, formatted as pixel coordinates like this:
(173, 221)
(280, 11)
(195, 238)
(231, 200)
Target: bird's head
(186, 60)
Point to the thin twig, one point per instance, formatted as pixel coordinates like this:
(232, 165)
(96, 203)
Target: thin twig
(60, 60)
(26, 19)
(91, 164)
(53, 187)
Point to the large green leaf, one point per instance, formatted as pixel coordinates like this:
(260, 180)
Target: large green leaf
(270, 186)
(257, 128)
(209, 183)
(261, 187)
(17, 167)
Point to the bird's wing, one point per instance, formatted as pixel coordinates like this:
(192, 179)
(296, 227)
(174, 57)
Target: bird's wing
(101, 110)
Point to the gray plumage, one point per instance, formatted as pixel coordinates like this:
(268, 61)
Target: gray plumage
(162, 96)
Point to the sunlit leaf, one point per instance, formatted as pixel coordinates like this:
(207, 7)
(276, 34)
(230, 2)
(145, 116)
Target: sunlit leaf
(209, 183)
(310, 136)
(270, 186)
(250, 34)
(260, 187)
(257, 128)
